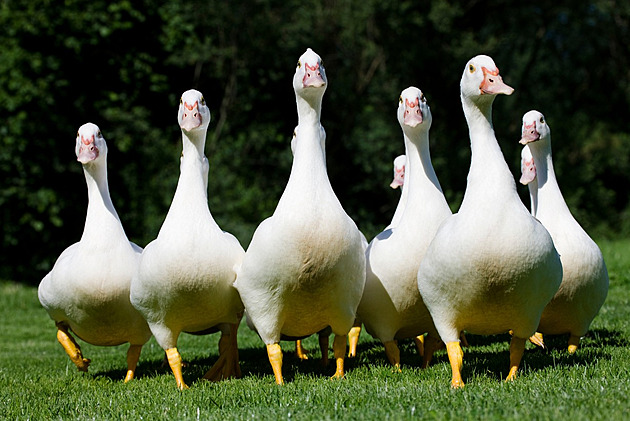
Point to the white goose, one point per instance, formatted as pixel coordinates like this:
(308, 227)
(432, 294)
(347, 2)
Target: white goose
(491, 267)
(391, 307)
(305, 267)
(87, 290)
(399, 181)
(184, 282)
(585, 278)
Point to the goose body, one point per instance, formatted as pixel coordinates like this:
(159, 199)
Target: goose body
(585, 277)
(491, 267)
(185, 279)
(391, 307)
(304, 269)
(87, 290)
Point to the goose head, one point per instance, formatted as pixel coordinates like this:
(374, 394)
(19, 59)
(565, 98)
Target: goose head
(528, 167)
(310, 79)
(535, 128)
(481, 81)
(399, 171)
(193, 114)
(90, 144)
(413, 111)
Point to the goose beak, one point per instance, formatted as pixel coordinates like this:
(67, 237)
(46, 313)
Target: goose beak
(312, 76)
(191, 118)
(493, 84)
(413, 113)
(530, 134)
(399, 178)
(88, 150)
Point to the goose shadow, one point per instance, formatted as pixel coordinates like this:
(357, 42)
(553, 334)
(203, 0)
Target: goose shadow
(496, 363)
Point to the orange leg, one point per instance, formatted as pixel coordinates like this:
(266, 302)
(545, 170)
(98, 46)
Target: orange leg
(431, 344)
(456, 358)
(393, 354)
(275, 358)
(133, 355)
(574, 342)
(175, 361)
(419, 340)
(300, 351)
(72, 348)
(537, 339)
(227, 366)
(339, 350)
(517, 349)
(353, 339)
(324, 340)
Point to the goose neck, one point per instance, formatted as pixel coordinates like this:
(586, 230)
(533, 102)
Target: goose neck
(419, 172)
(548, 194)
(101, 214)
(487, 158)
(309, 109)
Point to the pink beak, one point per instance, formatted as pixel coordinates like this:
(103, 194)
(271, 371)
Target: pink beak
(191, 118)
(528, 172)
(493, 83)
(399, 178)
(530, 134)
(312, 77)
(413, 114)
(87, 151)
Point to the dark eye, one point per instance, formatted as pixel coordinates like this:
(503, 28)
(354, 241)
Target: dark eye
(299, 64)
(78, 134)
(422, 98)
(542, 120)
(471, 68)
(203, 101)
(400, 99)
(98, 134)
(181, 100)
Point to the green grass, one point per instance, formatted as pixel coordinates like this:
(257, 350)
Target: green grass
(38, 381)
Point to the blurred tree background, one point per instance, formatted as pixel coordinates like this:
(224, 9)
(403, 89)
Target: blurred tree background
(123, 65)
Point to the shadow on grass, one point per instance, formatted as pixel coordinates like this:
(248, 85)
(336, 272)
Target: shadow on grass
(481, 356)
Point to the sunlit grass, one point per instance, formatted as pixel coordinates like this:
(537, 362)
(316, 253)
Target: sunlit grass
(38, 381)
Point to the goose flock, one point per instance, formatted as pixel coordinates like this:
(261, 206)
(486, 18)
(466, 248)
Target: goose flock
(492, 267)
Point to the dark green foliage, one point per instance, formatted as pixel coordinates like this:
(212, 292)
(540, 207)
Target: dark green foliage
(123, 65)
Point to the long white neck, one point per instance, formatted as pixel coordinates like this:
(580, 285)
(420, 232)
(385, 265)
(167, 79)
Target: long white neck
(309, 161)
(191, 196)
(549, 201)
(101, 221)
(489, 175)
(421, 184)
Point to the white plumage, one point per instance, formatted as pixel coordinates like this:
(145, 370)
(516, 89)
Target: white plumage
(305, 267)
(491, 267)
(399, 181)
(585, 278)
(87, 290)
(186, 275)
(391, 307)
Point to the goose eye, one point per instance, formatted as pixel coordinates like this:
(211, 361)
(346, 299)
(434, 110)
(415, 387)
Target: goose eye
(471, 68)
(422, 98)
(78, 134)
(181, 100)
(542, 120)
(98, 134)
(400, 99)
(299, 64)
(203, 101)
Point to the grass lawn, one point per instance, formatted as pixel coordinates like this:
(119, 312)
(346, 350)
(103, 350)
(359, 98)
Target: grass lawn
(38, 381)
